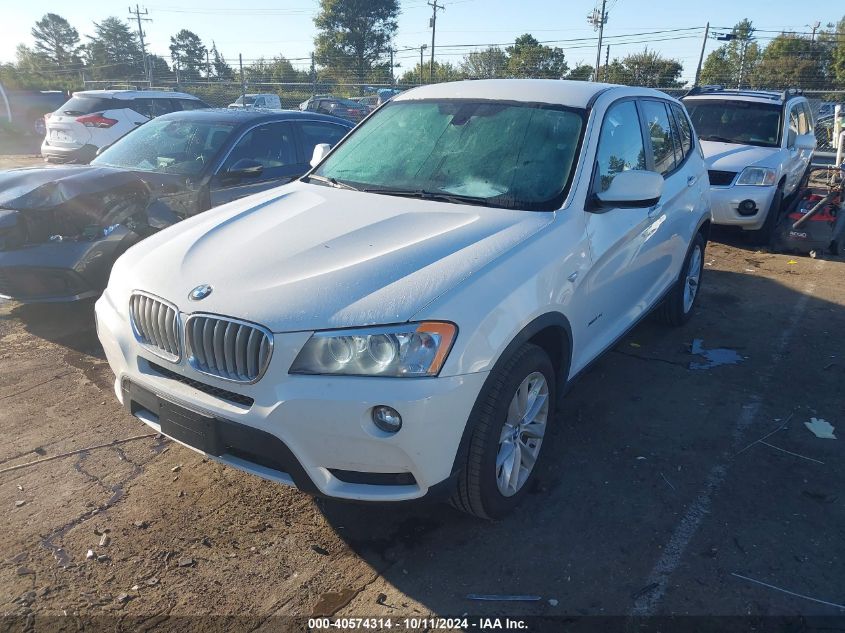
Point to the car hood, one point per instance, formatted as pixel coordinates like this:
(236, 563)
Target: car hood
(732, 157)
(307, 257)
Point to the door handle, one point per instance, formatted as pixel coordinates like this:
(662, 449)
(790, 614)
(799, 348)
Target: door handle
(692, 180)
(573, 276)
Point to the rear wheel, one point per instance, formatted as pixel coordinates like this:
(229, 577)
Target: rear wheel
(677, 307)
(508, 425)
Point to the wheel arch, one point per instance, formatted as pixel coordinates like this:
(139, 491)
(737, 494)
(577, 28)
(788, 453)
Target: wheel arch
(551, 332)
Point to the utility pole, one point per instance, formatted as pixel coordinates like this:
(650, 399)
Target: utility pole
(433, 24)
(606, 59)
(816, 26)
(392, 79)
(701, 57)
(148, 67)
(313, 76)
(422, 48)
(746, 42)
(598, 20)
(207, 67)
(243, 85)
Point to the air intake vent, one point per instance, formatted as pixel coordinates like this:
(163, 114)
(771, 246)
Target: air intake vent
(228, 348)
(721, 178)
(156, 325)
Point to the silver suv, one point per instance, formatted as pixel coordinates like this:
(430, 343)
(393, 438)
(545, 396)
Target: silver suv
(758, 146)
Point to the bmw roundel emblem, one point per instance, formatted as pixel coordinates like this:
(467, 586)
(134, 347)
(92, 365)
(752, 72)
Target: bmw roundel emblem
(200, 292)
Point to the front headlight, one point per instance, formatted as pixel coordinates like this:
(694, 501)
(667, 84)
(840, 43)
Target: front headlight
(757, 176)
(404, 351)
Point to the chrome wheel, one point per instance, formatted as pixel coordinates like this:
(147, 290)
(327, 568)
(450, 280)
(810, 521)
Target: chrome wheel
(522, 434)
(693, 277)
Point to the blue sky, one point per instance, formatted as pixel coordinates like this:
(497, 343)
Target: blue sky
(270, 27)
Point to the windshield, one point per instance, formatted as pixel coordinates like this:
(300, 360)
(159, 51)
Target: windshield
(741, 122)
(511, 155)
(167, 146)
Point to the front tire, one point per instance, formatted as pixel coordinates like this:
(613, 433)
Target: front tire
(508, 424)
(678, 305)
(763, 235)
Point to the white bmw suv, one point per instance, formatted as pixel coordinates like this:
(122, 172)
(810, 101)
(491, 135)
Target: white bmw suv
(402, 321)
(758, 146)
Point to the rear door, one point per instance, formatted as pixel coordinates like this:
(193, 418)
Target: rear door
(273, 146)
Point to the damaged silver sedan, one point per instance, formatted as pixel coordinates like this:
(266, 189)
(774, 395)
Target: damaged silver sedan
(62, 228)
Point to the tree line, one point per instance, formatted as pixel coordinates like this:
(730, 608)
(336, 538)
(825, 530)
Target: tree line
(353, 45)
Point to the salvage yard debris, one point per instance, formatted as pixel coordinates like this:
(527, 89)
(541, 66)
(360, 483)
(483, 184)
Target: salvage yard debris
(713, 357)
(821, 428)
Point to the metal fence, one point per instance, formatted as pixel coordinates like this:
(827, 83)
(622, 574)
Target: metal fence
(222, 93)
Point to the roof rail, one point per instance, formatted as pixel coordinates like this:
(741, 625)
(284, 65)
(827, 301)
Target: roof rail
(789, 93)
(696, 90)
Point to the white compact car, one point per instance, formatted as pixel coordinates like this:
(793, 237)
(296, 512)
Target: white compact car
(94, 119)
(249, 101)
(402, 321)
(758, 146)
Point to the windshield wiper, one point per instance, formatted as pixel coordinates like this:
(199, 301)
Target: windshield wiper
(440, 196)
(721, 139)
(332, 182)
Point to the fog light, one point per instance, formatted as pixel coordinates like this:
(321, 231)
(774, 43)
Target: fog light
(387, 418)
(748, 207)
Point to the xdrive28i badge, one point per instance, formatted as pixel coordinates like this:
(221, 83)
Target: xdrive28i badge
(200, 292)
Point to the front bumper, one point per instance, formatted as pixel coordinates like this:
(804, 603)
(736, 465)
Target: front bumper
(317, 430)
(725, 205)
(62, 270)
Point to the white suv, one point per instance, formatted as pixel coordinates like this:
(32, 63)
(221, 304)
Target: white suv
(403, 320)
(94, 119)
(758, 146)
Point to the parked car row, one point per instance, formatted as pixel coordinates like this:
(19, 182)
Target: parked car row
(61, 228)
(402, 320)
(24, 110)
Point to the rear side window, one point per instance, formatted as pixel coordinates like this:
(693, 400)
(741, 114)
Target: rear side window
(315, 133)
(81, 104)
(660, 132)
(684, 130)
(620, 145)
(804, 126)
(151, 108)
(794, 127)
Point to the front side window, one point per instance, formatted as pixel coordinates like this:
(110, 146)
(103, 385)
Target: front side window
(510, 155)
(269, 145)
(620, 145)
(794, 128)
(176, 147)
(734, 121)
(660, 131)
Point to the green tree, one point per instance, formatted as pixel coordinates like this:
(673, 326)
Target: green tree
(528, 58)
(489, 63)
(791, 61)
(648, 68)
(113, 52)
(835, 42)
(160, 69)
(724, 65)
(222, 70)
(582, 72)
(354, 36)
(187, 53)
(56, 41)
(276, 70)
(442, 72)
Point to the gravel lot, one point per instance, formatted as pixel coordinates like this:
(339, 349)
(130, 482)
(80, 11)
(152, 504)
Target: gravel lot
(657, 494)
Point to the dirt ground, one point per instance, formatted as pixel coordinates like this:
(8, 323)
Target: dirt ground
(657, 498)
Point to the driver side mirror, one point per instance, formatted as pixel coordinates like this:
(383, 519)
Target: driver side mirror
(805, 142)
(244, 168)
(321, 150)
(635, 188)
